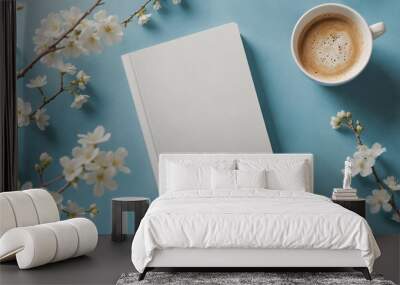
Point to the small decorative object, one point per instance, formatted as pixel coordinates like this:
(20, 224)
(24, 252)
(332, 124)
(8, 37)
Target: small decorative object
(346, 193)
(347, 174)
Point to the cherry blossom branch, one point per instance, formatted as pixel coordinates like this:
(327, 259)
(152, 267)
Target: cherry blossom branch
(51, 181)
(135, 13)
(54, 47)
(63, 188)
(46, 100)
(350, 125)
(378, 180)
(41, 92)
(40, 174)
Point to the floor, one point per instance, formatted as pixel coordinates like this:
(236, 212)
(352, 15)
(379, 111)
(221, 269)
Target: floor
(103, 266)
(111, 259)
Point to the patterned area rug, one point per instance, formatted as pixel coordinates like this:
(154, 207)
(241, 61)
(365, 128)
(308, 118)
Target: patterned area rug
(244, 278)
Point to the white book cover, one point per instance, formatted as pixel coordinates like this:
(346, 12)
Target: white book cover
(196, 94)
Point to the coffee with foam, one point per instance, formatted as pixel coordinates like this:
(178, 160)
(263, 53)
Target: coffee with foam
(330, 46)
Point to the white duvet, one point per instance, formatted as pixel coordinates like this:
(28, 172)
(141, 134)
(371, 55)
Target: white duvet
(250, 219)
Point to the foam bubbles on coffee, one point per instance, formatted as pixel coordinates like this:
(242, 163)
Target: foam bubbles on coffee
(329, 46)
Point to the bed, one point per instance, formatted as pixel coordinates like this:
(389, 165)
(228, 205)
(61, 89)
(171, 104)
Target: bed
(247, 210)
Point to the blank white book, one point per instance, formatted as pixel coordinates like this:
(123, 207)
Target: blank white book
(196, 94)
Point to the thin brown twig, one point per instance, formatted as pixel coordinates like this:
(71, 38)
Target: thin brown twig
(130, 17)
(53, 47)
(46, 101)
(63, 188)
(41, 92)
(51, 181)
(40, 174)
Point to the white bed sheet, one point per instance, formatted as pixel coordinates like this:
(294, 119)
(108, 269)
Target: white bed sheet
(250, 218)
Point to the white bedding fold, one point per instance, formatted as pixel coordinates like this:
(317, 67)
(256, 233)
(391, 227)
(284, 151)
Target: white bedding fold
(250, 218)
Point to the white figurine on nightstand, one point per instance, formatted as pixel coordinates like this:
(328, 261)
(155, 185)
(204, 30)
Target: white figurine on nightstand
(347, 174)
(346, 193)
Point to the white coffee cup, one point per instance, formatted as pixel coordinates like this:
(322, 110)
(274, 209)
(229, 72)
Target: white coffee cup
(368, 34)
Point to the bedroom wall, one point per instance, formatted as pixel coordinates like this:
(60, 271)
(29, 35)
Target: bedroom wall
(297, 110)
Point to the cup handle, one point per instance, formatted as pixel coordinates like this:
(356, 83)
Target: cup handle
(377, 30)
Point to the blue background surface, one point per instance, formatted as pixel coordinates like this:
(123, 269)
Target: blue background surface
(296, 110)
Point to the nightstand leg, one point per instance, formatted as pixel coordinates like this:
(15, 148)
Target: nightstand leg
(140, 211)
(117, 234)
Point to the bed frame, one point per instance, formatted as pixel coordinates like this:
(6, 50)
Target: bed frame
(242, 259)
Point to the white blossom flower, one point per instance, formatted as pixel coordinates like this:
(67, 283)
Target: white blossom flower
(379, 198)
(73, 210)
(101, 178)
(85, 154)
(93, 210)
(41, 119)
(392, 183)
(102, 160)
(143, 18)
(108, 27)
(377, 149)
(362, 165)
(342, 114)
(100, 16)
(157, 5)
(45, 159)
(364, 158)
(72, 168)
(82, 79)
(53, 59)
(37, 82)
(41, 42)
(24, 110)
(51, 26)
(90, 40)
(67, 68)
(176, 2)
(335, 122)
(85, 24)
(79, 100)
(118, 160)
(71, 16)
(99, 135)
(72, 48)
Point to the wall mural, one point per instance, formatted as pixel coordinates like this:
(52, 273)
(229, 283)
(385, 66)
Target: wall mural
(70, 34)
(59, 75)
(363, 164)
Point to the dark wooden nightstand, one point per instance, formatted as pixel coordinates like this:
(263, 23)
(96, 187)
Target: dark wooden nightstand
(357, 205)
(120, 206)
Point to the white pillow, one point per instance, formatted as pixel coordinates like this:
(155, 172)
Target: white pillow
(189, 175)
(223, 179)
(237, 179)
(251, 178)
(282, 174)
